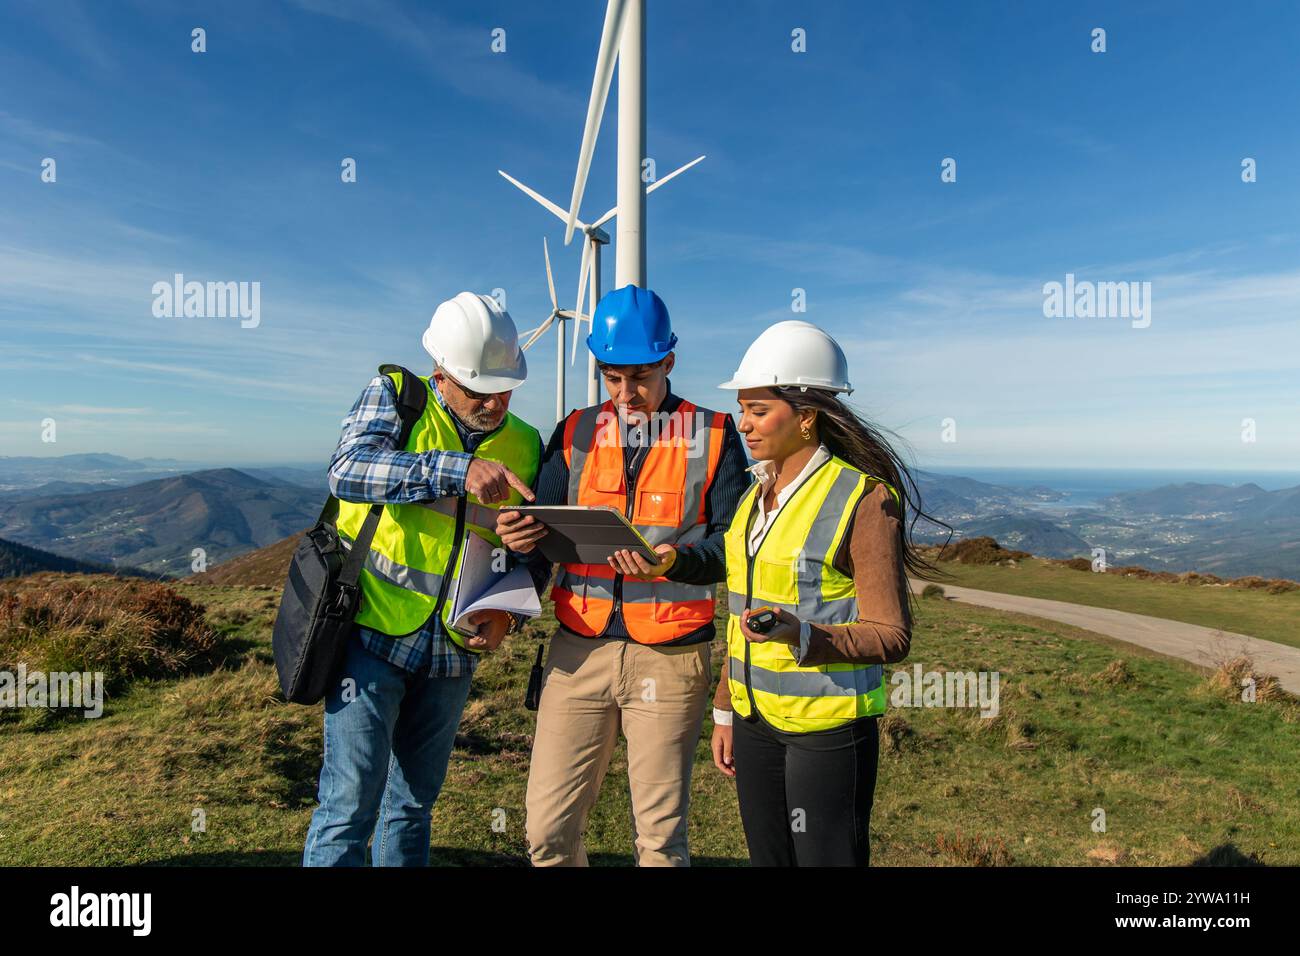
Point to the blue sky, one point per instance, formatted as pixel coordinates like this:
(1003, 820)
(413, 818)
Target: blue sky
(823, 173)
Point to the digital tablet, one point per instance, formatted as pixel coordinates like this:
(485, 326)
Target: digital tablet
(584, 534)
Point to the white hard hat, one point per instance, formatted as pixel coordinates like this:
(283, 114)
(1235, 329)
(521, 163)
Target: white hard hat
(793, 352)
(476, 343)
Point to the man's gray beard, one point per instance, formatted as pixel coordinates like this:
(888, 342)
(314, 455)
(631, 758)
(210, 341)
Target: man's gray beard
(483, 422)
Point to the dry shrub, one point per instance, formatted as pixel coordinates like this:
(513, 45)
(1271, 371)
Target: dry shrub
(1228, 677)
(1115, 674)
(1145, 574)
(1020, 735)
(983, 550)
(1271, 585)
(125, 627)
(973, 850)
(1251, 583)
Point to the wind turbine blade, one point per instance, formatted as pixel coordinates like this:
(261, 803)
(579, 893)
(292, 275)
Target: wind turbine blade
(605, 59)
(550, 282)
(538, 332)
(542, 200)
(649, 189)
(605, 218)
(676, 172)
(582, 292)
(578, 321)
(582, 274)
(573, 355)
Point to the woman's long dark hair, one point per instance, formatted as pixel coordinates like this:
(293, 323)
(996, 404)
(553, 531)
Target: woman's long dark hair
(847, 435)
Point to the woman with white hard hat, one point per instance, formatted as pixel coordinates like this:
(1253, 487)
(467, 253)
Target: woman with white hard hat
(817, 555)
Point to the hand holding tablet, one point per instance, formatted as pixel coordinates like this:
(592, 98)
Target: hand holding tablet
(575, 534)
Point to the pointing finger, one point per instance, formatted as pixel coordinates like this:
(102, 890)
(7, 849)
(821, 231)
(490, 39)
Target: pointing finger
(519, 485)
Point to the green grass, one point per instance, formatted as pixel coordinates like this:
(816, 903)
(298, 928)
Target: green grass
(1183, 772)
(1272, 617)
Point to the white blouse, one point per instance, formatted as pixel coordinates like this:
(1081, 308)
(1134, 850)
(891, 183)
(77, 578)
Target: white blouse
(764, 472)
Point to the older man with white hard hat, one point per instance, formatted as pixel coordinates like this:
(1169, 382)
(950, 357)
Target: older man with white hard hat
(435, 457)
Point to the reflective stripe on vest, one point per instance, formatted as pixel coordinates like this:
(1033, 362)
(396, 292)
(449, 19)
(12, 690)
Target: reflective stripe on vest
(398, 575)
(794, 570)
(634, 591)
(808, 682)
(668, 508)
(408, 570)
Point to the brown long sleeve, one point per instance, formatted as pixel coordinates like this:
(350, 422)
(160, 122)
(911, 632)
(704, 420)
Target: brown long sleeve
(872, 556)
(883, 631)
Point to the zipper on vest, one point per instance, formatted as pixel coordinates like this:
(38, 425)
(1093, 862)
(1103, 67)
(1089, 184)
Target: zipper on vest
(749, 596)
(618, 575)
(749, 573)
(629, 500)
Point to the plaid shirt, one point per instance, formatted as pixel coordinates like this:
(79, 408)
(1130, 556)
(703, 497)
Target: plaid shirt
(368, 467)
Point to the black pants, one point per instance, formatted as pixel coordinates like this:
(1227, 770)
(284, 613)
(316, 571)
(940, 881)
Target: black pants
(805, 799)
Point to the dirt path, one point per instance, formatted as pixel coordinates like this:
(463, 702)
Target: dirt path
(1191, 642)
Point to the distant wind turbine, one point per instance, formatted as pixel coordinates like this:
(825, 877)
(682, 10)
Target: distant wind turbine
(622, 42)
(590, 269)
(556, 314)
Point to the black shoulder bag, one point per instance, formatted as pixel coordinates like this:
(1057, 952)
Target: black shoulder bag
(321, 596)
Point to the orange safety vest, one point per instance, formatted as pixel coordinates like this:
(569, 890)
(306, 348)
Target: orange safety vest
(668, 508)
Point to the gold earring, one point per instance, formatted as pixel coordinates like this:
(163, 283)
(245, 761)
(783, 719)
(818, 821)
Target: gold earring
(803, 430)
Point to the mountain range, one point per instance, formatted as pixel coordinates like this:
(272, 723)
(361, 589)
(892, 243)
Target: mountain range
(27, 477)
(1228, 530)
(120, 512)
(159, 525)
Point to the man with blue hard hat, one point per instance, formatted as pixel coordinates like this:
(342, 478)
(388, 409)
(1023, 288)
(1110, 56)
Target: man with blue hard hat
(631, 327)
(632, 647)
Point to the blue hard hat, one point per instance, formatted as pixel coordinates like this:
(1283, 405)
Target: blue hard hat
(630, 327)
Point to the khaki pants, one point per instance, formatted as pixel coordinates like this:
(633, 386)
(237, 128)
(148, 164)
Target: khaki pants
(592, 687)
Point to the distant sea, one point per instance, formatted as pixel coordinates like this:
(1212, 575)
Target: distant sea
(1085, 487)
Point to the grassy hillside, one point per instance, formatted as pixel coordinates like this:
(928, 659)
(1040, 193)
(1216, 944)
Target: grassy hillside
(267, 565)
(1257, 613)
(1185, 772)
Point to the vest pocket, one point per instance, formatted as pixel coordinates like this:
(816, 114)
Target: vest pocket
(776, 580)
(658, 507)
(606, 480)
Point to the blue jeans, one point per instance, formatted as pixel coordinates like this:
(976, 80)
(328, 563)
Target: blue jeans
(386, 753)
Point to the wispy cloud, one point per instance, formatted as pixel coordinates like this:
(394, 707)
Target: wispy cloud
(84, 409)
(456, 55)
(35, 133)
(192, 377)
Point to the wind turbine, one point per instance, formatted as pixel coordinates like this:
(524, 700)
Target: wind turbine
(622, 41)
(561, 315)
(595, 237)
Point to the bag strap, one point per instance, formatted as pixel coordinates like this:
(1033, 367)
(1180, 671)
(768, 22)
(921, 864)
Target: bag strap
(412, 396)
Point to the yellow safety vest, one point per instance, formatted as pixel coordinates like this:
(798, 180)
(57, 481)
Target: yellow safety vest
(417, 552)
(794, 570)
